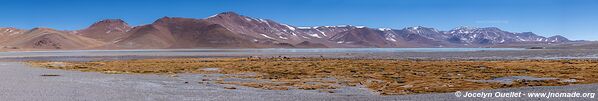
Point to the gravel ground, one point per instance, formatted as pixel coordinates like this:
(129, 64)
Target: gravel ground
(20, 82)
(23, 83)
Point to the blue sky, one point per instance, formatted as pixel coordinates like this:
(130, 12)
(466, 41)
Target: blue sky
(576, 19)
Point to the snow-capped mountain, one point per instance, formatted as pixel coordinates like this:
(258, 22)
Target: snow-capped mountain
(232, 30)
(365, 37)
(492, 35)
(265, 30)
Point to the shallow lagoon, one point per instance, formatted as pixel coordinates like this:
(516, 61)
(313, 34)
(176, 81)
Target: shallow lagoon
(191, 52)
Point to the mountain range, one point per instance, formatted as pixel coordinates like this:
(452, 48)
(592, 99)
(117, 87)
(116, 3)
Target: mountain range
(231, 30)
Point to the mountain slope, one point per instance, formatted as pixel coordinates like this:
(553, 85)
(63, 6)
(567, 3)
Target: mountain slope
(109, 30)
(231, 30)
(364, 37)
(261, 29)
(492, 36)
(183, 33)
(9, 33)
(44, 38)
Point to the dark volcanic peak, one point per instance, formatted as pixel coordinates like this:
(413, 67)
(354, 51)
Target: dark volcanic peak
(114, 24)
(227, 14)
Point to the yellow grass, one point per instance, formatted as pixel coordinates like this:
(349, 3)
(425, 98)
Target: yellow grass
(388, 77)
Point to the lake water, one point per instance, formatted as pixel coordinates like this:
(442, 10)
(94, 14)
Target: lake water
(196, 52)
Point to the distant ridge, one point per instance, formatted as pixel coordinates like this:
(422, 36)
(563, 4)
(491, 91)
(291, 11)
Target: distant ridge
(232, 30)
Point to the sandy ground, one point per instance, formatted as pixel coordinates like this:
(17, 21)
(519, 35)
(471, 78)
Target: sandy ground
(22, 82)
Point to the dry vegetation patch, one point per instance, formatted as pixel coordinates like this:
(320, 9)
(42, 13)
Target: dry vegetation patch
(388, 77)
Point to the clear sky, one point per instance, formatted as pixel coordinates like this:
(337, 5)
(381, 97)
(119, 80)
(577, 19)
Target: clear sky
(575, 19)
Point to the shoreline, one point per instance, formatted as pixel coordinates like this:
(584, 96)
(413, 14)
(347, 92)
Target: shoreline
(548, 54)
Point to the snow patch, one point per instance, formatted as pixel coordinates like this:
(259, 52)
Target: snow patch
(305, 37)
(314, 35)
(212, 16)
(266, 36)
(415, 28)
(305, 27)
(340, 26)
(281, 37)
(248, 19)
(290, 27)
(555, 39)
(391, 37)
(521, 39)
(539, 39)
(474, 36)
(321, 32)
(263, 21)
(384, 29)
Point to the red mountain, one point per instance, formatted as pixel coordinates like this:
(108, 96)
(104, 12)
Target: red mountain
(109, 30)
(231, 30)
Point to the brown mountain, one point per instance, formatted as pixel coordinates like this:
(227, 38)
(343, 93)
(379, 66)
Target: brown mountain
(262, 30)
(231, 30)
(307, 44)
(9, 33)
(364, 37)
(268, 31)
(109, 30)
(183, 33)
(45, 38)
